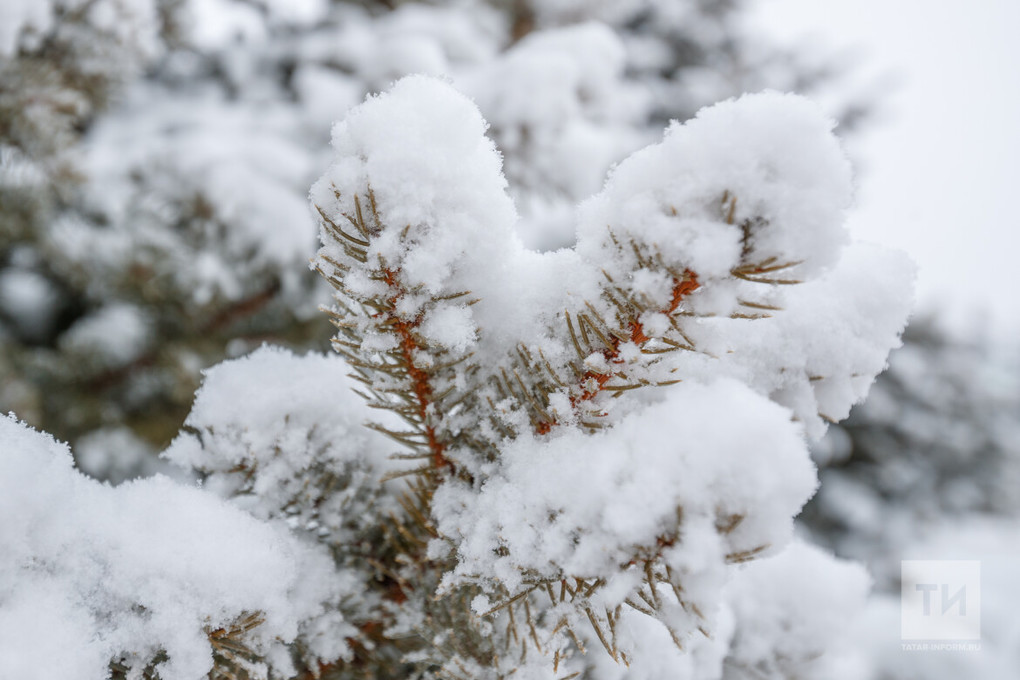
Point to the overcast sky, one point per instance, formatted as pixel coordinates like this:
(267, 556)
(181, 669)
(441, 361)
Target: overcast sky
(942, 169)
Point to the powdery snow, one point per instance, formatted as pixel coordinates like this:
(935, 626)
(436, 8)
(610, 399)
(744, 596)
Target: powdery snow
(283, 436)
(711, 270)
(724, 242)
(90, 573)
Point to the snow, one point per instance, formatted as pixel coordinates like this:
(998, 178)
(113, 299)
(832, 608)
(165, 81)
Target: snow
(112, 336)
(935, 444)
(654, 497)
(562, 113)
(427, 190)
(224, 165)
(830, 339)
(445, 220)
(744, 200)
(132, 23)
(771, 157)
(116, 454)
(628, 487)
(293, 447)
(30, 300)
(89, 572)
(25, 23)
(17, 16)
(939, 163)
(216, 24)
(791, 612)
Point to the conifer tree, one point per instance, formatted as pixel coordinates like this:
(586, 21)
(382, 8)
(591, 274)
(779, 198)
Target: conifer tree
(155, 156)
(582, 463)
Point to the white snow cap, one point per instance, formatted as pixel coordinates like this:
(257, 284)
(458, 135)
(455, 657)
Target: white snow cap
(421, 149)
(299, 422)
(773, 156)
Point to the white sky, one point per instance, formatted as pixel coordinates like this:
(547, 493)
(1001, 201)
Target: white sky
(942, 178)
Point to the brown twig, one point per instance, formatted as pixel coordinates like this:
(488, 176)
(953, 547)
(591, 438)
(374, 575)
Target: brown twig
(420, 383)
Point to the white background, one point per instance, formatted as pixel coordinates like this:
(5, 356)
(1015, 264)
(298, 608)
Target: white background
(941, 171)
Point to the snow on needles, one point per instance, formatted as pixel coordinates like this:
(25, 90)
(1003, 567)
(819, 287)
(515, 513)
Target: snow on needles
(421, 149)
(710, 271)
(760, 178)
(712, 265)
(294, 447)
(579, 504)
(90, 573)
(416, 164)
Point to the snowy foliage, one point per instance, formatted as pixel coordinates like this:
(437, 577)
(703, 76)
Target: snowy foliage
(293, 448)
(747, 197)
(156, 154)
(544, 516)
(587, 427)
(91, 575)
(59, 60)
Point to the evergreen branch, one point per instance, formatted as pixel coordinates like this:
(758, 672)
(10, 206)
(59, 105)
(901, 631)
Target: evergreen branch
(411, 389)
(592, 382)
(507, 603)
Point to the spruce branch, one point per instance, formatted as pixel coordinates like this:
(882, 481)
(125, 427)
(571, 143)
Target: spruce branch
(409, 375)
(488, 411)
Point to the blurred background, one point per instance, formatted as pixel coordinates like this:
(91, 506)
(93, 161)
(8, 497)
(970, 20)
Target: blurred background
(155, 157)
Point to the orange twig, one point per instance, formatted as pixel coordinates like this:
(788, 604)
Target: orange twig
(420, 384)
